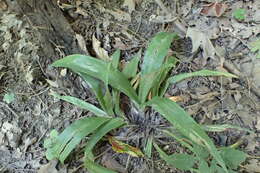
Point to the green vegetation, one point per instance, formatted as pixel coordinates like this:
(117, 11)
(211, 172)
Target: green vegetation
(240, 14)
(145, 88)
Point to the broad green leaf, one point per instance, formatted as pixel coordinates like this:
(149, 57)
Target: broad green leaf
(180, 161)
(153, 61)
(170, 62)
(116, 100)
(100, 132)
(9, 98)
(130, 69)
(182, 76)
(72, 135)
(148, 147)
(223, 127)
(255, 47)
(109, 102)
(186, 125)
(233, 157)
(121, 147)
(49, 142)
(82, 104)
(98, 69)
(115, 59)
(96, 168)
(96, 87)
(203, 167)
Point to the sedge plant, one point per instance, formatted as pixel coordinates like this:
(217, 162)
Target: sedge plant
(145, 87)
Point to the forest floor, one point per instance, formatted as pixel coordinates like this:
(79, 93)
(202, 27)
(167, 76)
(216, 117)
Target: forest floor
(220, 36)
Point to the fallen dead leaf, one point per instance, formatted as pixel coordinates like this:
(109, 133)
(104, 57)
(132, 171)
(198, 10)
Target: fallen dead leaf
(119, 44)
(253, 166)
(100, 52)
(49, 167)
(130, 4)
(52, 83)
(120, 15)
(214, 9)
(82, 43)
(121, 147)
(200, 39)
(109, 162)
(176, 98)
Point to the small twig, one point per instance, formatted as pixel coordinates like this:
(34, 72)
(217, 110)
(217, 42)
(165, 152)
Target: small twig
(6, 105)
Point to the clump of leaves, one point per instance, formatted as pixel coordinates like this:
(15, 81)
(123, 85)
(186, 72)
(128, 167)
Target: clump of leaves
(145, 89)
(240, 14)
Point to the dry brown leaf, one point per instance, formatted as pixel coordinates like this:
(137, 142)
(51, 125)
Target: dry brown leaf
(109, 162)
(200, 39)
(49, 167)
(82, 43)
(176, 98)
(253, 166)
(100, 52)
(214, 9)
(120, 15)
(119, 44)
(130, 4)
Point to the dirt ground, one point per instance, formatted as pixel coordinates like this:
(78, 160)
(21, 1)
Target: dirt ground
(33, 34)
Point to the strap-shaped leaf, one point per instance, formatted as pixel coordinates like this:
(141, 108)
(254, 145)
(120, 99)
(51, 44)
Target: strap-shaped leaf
(102, 131)
(72, 135)
(186, 125)
(153, 60)
(82, 104)
(115, 59)
(98, 69)
(96, 168)
(148, 147)
(182, 76)
(97, 87)
(130, 69)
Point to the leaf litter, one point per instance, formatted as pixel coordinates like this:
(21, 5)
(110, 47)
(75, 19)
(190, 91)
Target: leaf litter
(234, 37)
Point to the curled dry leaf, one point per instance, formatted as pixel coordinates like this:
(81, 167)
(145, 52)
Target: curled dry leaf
(199, 39)
(121, 147)
(176, 98)
(214, 9)
(100, 52)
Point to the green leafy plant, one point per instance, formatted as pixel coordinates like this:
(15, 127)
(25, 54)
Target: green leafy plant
(239, 14)
(145, 89)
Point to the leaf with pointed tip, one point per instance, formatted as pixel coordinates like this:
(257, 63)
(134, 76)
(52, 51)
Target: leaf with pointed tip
(82, 104)
(182, 76)
(130, 69)
(185, 125)
(98, 69)
(153, 61)
(148, 147)
(116, 58)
